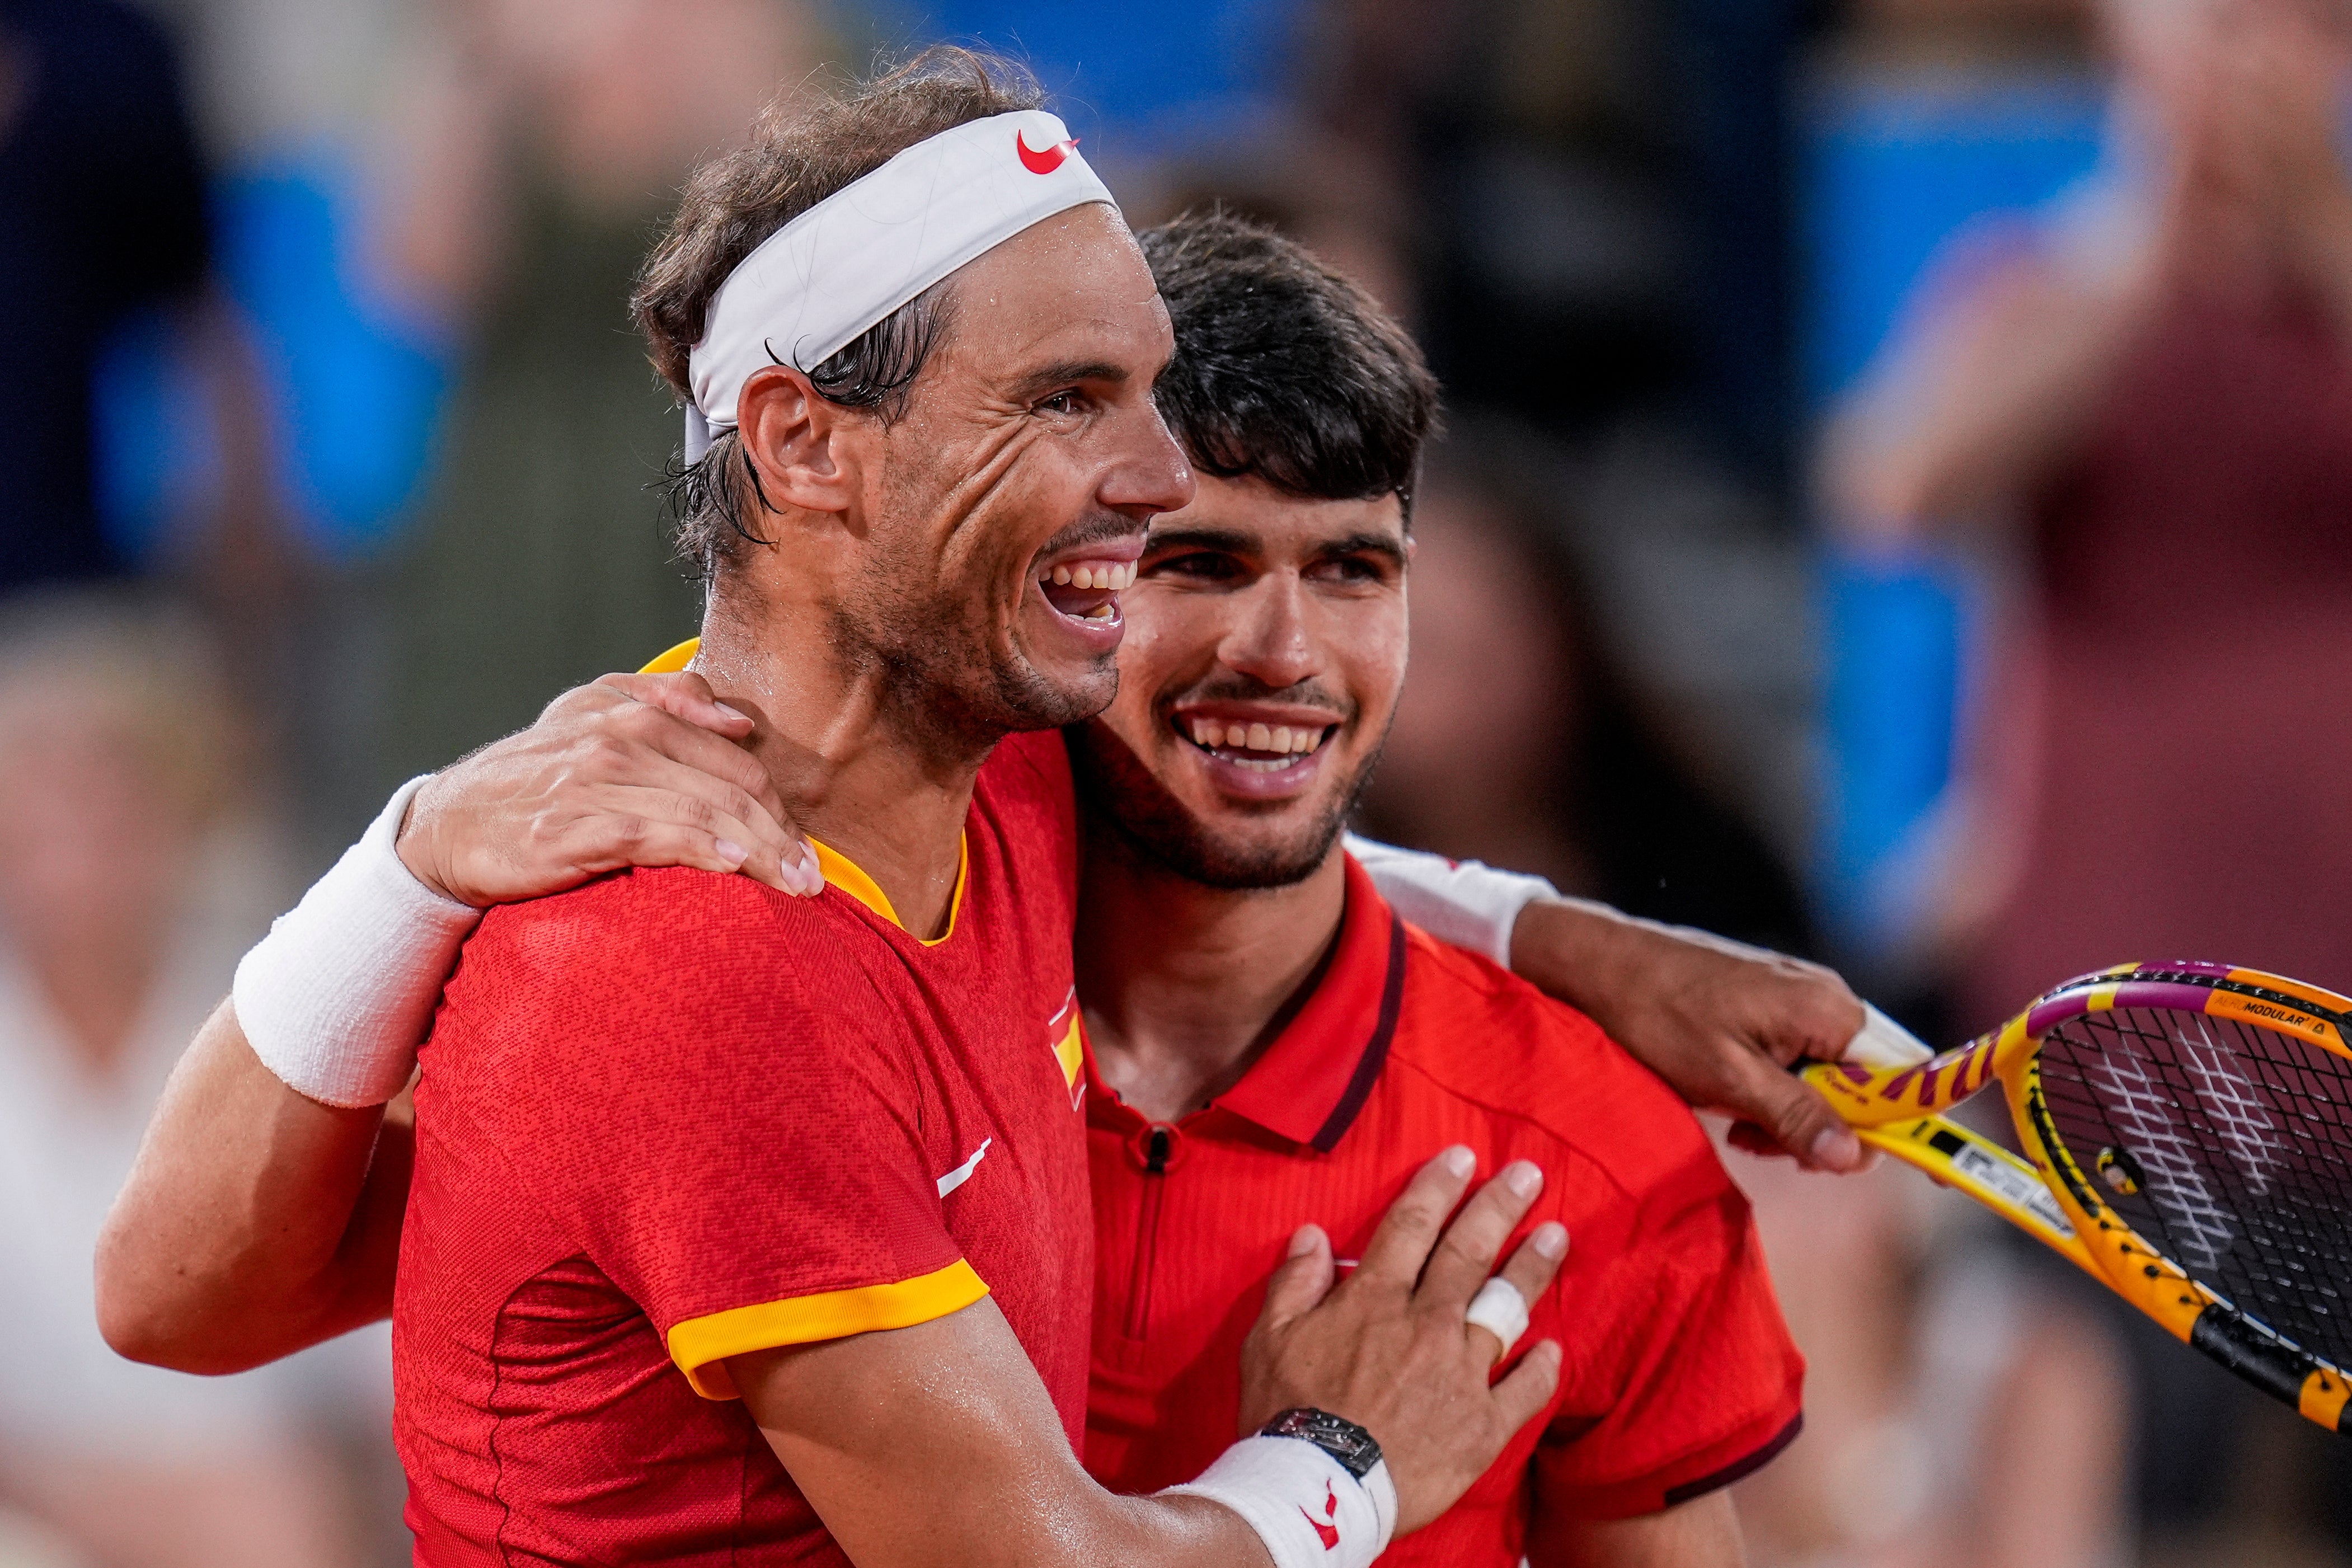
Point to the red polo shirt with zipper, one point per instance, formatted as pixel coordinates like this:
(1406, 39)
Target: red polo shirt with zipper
(1679, 1376)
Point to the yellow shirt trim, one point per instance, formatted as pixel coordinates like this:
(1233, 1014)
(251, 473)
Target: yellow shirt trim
(700, 1346)
(840, 869)
(676, 659)
(850, 878)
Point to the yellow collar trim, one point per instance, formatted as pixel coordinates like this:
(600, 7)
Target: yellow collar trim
(676, 659)
(850, 877)
(840, 869)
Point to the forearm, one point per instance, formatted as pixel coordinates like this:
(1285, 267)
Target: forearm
(1586, 954)
(254, 1221)
(936, 1444)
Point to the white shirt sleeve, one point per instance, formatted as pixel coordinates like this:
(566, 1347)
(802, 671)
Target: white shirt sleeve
(1465, 902)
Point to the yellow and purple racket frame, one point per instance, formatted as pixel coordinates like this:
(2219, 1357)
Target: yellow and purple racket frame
(2049, 1194)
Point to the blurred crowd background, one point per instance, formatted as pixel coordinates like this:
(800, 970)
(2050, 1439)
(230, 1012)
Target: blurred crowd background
(1895, 509)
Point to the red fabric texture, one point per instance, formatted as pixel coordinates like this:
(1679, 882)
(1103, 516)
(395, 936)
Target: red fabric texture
(670, 1094)
(1678, 1367)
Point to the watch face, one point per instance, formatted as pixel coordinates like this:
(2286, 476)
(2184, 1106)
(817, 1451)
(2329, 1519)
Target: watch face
(1354, 1448)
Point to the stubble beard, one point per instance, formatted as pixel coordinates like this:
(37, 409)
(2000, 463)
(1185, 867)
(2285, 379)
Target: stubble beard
(947, 679)
(1115, 788)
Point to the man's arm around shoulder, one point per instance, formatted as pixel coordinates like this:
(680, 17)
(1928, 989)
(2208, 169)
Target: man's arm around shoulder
(256, 1221)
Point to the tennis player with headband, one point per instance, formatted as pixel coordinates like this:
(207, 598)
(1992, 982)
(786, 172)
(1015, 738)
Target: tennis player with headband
(290, 1025)
(744, 1227)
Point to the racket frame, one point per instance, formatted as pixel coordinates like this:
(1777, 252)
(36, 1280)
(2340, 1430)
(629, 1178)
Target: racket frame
(1901, 1110)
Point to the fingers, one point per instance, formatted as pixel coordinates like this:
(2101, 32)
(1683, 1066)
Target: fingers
(1465, 1254)
(658, 730)
(619, 826)
(1750, 1139)
(1533, 1267)
(1303, 1280)
(1400, 1245)
(686, 695)
(666, 733)
(1535, 1264)
(1814, 1014)
(687, 794)
(1796, 1118)
(1522, 1396)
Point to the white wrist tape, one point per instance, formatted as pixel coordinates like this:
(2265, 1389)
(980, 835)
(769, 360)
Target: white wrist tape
(1881, 1042)
(1501, 1310)
(1459, 901)
(338, 996)
(1303, 1503)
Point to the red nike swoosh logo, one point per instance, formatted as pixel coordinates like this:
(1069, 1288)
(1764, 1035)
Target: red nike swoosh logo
(1329, 1533)
(1043, 163)
(1330, 1536)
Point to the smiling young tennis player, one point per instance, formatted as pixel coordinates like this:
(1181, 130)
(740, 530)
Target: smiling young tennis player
(1268, 1042)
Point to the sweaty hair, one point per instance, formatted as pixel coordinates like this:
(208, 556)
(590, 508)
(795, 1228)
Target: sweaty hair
(1285, 370)
(802, 149)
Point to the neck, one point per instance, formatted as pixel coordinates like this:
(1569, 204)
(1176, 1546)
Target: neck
(849, 753)
(1186, 985)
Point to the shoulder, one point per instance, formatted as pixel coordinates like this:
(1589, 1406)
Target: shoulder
(651, 952)
(663, 918)
(1474, 1031)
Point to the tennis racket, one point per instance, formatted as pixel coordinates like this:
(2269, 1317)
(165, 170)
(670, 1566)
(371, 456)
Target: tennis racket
(2187, 1131)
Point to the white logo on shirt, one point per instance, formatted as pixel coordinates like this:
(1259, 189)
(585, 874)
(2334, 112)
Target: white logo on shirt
(963, 1172)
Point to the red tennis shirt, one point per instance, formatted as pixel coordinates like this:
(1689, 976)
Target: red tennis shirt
(672, 1117)
(1679, 1376)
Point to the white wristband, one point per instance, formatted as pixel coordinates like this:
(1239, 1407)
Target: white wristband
(1303, 1503)
(1464, 902)
(338, 996)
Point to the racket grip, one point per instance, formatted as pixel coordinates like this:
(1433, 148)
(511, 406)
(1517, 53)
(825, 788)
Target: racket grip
(1881, 1042)
(2279, 1369)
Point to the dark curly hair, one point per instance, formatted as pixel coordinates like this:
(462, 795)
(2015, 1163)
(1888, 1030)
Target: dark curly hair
(804, 148)
(1285, 370)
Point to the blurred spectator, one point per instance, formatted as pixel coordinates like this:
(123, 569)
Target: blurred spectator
(102, 213)
(127, 890)
(2143, 394)
(1964, 1401)
(2152, 386)
(1597, 184)
(547, 139)
(1518, 742)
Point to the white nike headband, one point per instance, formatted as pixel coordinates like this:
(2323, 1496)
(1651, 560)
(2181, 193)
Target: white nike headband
(816, 283)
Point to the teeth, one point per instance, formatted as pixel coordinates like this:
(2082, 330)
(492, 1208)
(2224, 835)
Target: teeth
(1112, 576)
(1280, 738)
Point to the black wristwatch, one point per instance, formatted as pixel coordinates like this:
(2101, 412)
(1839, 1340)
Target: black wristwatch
(1354, 1448)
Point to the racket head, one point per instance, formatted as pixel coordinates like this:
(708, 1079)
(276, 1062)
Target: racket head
(2195, 1121)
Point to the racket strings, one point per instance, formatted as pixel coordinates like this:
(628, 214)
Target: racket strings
(2229, 1147)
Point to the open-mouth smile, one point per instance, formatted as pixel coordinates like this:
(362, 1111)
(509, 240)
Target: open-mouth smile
(1086, 590)
(1255, 744)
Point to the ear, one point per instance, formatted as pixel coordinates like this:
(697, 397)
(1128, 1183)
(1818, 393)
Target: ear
(795, 441)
